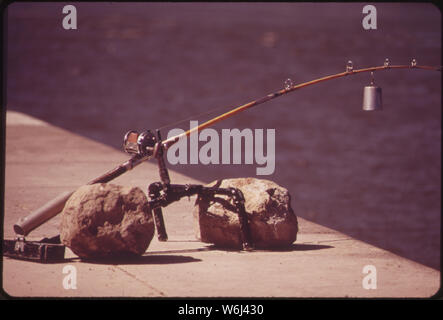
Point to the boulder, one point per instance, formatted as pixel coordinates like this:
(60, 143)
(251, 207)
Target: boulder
(107, 221)
(272, 221)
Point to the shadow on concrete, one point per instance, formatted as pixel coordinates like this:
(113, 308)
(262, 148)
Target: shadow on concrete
(292, 247)
(307, 247)
(58, 261)
(209, 248)
(146, 259)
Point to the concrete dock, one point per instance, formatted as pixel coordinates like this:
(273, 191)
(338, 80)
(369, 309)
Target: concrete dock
(43, 161)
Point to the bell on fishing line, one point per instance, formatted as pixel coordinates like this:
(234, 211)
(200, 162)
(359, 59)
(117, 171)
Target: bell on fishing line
(372, 96)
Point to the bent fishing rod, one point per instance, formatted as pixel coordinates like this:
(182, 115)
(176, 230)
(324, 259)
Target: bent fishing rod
(146, 145)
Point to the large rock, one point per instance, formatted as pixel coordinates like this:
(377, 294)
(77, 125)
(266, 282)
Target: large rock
(107, 221)
(272, 221)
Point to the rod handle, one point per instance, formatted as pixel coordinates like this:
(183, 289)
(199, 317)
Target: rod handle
(26, 224)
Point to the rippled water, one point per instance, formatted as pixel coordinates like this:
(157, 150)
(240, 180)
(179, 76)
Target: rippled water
(375, 176)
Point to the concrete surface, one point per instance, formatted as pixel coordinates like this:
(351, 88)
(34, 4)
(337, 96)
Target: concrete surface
(43, 161)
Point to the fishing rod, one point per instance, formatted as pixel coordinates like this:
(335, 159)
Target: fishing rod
(147, 145)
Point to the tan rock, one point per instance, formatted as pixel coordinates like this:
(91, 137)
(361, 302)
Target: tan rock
(106, 221)
(272, 221)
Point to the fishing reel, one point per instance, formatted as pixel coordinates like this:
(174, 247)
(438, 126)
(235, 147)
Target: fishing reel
(140, 143)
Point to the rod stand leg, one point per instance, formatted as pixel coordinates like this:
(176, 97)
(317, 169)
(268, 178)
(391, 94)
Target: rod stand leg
(155, 195)
(160, 224)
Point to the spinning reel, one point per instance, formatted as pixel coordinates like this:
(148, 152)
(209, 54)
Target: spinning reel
(142, 144)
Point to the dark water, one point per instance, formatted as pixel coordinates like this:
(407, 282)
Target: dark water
(375, 176)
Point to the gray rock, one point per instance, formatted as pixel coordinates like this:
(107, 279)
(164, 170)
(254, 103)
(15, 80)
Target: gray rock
(272, 221)
(107, 221)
